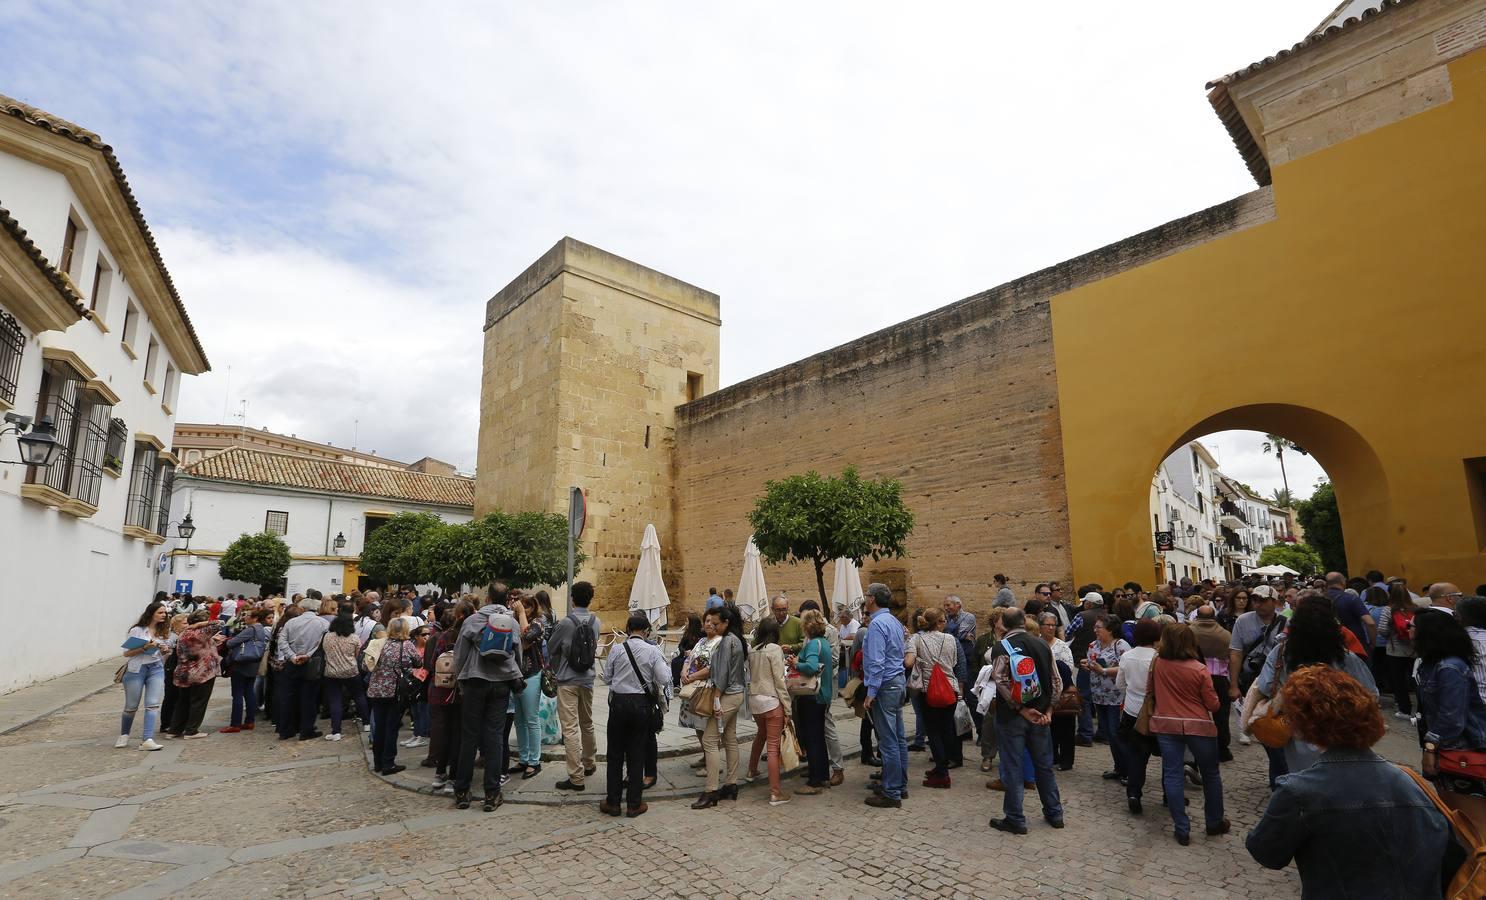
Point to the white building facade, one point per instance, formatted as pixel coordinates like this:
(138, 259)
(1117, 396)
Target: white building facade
(307, 502)
(94, 340)
(1182, 504)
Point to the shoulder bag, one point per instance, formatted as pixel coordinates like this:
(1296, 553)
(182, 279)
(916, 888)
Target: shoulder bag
(803, 685)
(1148, 705)
(657, 707)
(1254, 656)
(1468, 880)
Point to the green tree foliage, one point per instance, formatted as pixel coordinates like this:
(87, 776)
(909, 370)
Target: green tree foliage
(521, 549)
(1278, 445)
(1282, 498)
(261, 559)
(1303, 558)
(1323, 527)
(808, 518)
(392, 552)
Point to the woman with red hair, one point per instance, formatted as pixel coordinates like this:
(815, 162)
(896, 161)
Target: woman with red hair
(1347, 799)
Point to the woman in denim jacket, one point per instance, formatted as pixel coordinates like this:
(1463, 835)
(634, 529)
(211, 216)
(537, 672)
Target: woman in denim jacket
(1454, 714)
(1321, 816)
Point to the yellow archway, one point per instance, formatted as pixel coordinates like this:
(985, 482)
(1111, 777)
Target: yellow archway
(1345, 312)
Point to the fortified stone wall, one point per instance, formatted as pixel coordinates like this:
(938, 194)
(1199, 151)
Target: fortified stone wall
(587, 356)
(961, 404)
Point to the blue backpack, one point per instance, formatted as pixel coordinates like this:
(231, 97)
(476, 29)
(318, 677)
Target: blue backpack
(1025, 685)
(498, 637)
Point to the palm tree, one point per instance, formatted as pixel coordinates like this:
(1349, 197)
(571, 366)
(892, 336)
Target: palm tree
(1278, 445)
(1282, 498)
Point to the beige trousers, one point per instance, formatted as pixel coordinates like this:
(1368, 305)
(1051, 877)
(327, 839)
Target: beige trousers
(575, 715)
(724, 730)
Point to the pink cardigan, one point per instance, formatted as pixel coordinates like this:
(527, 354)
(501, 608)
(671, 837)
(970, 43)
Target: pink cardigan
(1185, 699)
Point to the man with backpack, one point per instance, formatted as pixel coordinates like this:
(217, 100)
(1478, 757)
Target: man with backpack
(572, 649)
(487, 658)
(1026, 684)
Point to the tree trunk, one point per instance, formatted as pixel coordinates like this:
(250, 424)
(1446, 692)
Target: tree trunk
(1280, 452)
(820, 585)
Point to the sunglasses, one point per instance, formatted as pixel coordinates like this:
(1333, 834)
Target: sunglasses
(1044, 593)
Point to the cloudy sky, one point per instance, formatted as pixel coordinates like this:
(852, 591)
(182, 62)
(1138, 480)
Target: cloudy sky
(338, 187)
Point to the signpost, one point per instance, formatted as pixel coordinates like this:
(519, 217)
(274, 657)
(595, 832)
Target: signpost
(183, 586)
(577, 518)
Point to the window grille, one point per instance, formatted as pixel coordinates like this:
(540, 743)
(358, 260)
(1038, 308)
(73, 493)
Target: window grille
(12, 346)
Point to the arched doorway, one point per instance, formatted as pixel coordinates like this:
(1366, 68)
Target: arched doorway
(1220, 501)
(1113, 524)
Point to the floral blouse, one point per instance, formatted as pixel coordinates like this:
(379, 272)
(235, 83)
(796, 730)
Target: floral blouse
(701, 655)
(395, 655)
(1102, 687)
(197, 660)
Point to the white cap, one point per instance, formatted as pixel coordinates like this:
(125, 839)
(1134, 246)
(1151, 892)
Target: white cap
(1094, 597)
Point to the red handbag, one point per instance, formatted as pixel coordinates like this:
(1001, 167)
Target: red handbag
(1466, 763)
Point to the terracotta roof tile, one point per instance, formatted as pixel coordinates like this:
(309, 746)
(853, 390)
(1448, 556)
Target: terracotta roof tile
(260, 467)
(63, 286)
(1227, 110)
(1318, 36)
(59, 126)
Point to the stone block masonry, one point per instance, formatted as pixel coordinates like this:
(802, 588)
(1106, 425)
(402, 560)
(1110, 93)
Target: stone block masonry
(587, 356)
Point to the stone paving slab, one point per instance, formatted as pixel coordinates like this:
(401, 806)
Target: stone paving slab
(310, 820)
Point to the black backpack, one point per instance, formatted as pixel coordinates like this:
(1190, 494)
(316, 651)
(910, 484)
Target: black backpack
(583, 649)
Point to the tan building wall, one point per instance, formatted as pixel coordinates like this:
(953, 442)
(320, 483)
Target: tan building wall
(587, 356)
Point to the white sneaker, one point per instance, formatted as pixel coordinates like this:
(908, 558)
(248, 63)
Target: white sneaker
(418, 742)
(149, 744)
(366, 729)
(122, 742)
(193, 737)
(1404, 716)
(447, 790)
(406, 742)
(333, 737)
(1245, 739)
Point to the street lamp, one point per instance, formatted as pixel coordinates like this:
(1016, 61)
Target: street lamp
(186, 529)
(340, 541)
(38, 442)
(1191, 532)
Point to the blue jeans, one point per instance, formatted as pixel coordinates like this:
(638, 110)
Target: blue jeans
(420, 719)
(147, 684)
(528, 722)
(916, 699)
(887, 721)
(244, 701)
(1086, 711)
(1173, 771)
(1277, 764)
(1016, 737)
(1109, 726)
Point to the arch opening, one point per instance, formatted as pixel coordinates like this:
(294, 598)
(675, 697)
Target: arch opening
(1208, 522)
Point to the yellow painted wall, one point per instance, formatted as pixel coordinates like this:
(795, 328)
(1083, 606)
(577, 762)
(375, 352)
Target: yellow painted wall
(1353, 323)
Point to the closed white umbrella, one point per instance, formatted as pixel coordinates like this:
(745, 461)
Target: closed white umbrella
(752, 595)
(648, 595)
(847, 592)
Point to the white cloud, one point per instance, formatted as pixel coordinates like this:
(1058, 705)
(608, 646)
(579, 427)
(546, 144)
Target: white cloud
(1240, 456)
(373, 173)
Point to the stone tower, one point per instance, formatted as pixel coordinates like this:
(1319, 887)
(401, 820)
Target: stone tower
(587, 355)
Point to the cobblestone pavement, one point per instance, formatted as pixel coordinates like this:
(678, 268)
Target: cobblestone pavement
(249, 816)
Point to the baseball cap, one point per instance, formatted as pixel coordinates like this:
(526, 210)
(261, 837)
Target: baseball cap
(1094, 597)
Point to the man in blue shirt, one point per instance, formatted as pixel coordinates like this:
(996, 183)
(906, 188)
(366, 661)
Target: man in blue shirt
(882, 673)
(713, 601)
(1350, 610)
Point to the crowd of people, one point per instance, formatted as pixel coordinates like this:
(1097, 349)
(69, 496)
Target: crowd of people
(1177, 673)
